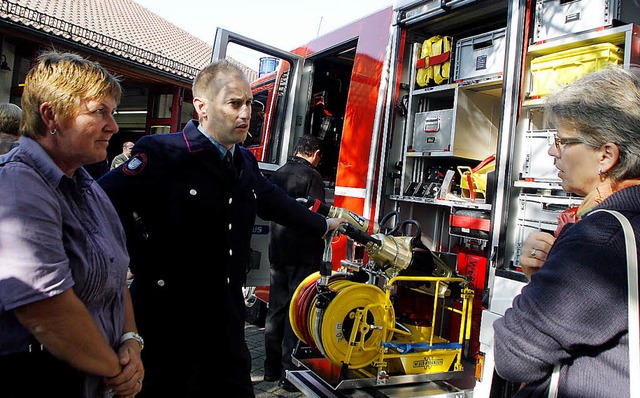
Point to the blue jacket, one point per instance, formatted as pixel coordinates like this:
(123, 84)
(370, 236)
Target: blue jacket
(574, 311)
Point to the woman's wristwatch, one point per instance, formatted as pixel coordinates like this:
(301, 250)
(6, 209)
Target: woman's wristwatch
(132, 335)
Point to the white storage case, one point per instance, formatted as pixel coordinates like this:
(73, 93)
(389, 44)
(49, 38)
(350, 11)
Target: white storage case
(545, 209)
(539, 213)
(480, 57)
(538, 165)
(557, 18)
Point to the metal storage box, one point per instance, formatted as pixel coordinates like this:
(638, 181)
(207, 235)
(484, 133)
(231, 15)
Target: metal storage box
(469, 130)
(538, 165)
(480, 57)
(539, 213)
(433, 131)
(544, 209)
(556, 18)
(419, 9)
(551, 72)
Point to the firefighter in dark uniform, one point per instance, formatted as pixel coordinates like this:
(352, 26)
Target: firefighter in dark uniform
(189, 220)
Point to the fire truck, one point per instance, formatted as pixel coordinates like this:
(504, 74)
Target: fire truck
(430, 112)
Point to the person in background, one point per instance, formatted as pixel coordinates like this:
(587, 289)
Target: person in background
(67, 327)
(573, 312)
(293, 256)
(124, 156)
(188, 201)
(254, 135)
(10, 115)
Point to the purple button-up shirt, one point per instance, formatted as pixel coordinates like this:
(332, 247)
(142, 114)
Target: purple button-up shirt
(57, 233)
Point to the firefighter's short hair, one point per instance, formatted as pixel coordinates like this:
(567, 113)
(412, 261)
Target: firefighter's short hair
(205, 77)
(308, 145)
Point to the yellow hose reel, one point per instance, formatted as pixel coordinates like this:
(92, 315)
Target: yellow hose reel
(357, 328)
(359, 312)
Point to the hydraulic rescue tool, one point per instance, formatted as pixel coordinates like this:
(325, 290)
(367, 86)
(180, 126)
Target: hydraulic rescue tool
(402, 317)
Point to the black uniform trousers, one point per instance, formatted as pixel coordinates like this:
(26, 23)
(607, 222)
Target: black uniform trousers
(280, 340)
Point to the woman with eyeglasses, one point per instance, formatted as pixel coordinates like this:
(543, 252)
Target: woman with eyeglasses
(574, 309)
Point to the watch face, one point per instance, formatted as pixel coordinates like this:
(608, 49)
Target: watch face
(139, 338)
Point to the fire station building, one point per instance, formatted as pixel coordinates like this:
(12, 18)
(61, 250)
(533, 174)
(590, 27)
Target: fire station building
(155, 59)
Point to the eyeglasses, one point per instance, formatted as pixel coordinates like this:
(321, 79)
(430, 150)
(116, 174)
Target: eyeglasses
(566, 141)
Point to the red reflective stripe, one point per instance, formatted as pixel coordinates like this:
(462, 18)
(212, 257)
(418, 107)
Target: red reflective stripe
(316, 205)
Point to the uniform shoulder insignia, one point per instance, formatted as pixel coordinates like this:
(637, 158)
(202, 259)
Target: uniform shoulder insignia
(135, 165)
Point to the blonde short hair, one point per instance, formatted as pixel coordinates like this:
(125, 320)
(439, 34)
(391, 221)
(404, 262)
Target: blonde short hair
(64, 80)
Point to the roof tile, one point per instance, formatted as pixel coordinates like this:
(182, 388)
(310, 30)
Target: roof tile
(129, 22)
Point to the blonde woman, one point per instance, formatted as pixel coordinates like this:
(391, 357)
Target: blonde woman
(66, 321)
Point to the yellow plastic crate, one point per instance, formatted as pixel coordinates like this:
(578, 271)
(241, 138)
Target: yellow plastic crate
(551, 72)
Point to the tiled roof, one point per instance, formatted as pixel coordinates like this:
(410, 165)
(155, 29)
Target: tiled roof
(137, 33)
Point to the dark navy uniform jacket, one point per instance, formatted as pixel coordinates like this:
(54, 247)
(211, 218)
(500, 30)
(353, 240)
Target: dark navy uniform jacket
(189, 225)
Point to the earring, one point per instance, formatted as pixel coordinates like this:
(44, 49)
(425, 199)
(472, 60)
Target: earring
(54, 131)
(599, 171)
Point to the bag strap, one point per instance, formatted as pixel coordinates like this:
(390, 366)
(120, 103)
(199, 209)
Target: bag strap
(634, 312)
(555, 378)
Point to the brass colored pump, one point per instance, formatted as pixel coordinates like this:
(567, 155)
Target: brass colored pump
(396, 254)
(354, 219)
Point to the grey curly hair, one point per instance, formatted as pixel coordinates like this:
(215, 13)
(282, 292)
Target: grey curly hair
(603, 106)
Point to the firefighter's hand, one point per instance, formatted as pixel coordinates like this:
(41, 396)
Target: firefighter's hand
(534, 252)
(333, 223)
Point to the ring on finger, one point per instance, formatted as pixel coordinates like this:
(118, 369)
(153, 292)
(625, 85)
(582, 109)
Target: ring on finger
(139, 381)
(533, 253)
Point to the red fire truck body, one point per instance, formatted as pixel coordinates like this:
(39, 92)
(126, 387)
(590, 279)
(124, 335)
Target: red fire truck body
(433, 109)
(369, 44)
